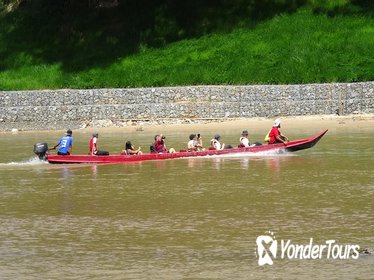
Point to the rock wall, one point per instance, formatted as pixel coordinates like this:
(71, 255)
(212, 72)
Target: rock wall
(56, 108)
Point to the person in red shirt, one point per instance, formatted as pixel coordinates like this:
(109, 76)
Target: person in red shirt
(160, 146)
(93, 146)
(275, 135)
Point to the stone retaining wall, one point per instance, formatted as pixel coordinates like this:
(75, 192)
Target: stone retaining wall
(55, 108)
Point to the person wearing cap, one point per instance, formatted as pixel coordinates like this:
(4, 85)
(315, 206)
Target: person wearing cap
(65, 144)
(216, 144)
(244, 142)
(275, 136)
(94, 151)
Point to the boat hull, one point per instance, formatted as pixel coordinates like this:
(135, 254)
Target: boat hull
(292, 146)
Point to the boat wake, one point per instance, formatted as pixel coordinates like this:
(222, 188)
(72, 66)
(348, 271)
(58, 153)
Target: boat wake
(30, 162)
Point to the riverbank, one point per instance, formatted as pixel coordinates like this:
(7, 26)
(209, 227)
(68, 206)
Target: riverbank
(52, 110)
(362, 122)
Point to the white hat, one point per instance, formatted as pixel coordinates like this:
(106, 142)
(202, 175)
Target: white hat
(277, 122)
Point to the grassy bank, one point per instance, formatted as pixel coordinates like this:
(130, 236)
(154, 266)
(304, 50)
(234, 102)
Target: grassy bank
(300, 47)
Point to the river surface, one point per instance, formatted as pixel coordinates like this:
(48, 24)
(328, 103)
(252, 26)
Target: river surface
(195, 218)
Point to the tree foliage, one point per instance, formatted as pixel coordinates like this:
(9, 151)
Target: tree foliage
(86, 33)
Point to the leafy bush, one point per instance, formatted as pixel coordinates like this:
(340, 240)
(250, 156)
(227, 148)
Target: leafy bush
(52, 44)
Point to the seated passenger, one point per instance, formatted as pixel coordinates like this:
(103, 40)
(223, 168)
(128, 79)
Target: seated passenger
(216, 144)
(275, 136)
(130, 150)
(244, 142)
(159, 145)
(195, 143)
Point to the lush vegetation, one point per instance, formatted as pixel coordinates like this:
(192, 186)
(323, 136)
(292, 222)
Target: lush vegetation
(74, 44)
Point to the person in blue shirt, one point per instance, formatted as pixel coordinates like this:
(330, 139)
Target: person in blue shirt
(65, 144)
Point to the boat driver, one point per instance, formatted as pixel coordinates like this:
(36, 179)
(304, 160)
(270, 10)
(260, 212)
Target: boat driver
(65, 144)
(275, 136)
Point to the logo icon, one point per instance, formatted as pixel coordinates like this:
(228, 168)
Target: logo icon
(267, 247)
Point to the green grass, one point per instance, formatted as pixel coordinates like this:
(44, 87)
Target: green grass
(292, 48)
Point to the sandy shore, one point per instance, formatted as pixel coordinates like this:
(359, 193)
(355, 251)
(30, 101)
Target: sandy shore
(260, 125)
(361, 122)
(263, 124)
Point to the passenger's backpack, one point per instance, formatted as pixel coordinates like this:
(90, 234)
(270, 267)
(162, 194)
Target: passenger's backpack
(267, 138)
(152, 148)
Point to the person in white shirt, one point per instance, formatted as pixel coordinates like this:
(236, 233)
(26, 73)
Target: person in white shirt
(191, 145)
(244, 142)
(195, 143)
(216, 144)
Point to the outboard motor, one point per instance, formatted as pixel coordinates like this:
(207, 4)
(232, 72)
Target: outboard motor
(41, 149)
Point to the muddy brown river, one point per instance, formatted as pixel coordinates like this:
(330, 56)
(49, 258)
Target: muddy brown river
(195, 218)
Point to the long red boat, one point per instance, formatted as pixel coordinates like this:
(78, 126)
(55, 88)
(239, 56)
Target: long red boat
(291, 146)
